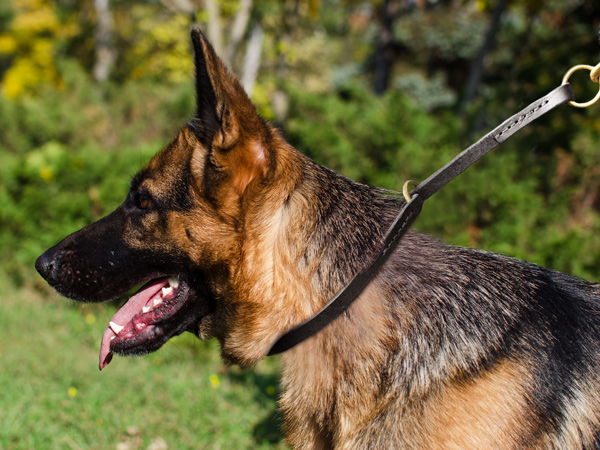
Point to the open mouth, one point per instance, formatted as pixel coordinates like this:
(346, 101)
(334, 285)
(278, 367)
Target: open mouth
(147, 320)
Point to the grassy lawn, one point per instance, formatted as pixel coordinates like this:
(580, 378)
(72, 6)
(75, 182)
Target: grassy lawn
(53, 396)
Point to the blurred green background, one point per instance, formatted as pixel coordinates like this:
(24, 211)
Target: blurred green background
(381, 91)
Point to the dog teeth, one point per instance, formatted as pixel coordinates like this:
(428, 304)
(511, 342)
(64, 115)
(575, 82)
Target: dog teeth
(174, 281)
(155, 303)
(116, 327)
(166, 291)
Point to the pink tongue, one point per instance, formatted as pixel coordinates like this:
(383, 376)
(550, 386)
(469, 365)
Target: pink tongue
(133, 306)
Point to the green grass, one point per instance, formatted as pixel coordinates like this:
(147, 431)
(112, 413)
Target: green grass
(53, 396)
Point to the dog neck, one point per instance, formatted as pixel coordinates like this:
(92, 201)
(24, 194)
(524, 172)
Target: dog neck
(306, 237)
(348, 224)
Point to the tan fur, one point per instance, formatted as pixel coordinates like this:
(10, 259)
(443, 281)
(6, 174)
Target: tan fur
(487, 412)
(316, 367)
(581, 419)
(268, 272)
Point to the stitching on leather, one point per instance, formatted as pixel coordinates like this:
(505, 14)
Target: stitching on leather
(398, 233)
(522, 118)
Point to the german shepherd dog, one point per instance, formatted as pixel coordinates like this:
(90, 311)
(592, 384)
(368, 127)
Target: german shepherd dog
(241, 237)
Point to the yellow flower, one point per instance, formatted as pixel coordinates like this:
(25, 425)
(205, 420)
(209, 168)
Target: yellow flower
(72, 392)
(21, 75)
(214, 381)
(482, 5)
(36, 19)
(8, 44)
(47, 176)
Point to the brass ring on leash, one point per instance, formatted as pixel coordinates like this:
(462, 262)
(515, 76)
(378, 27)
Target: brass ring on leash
(594, 76)
(405, 192)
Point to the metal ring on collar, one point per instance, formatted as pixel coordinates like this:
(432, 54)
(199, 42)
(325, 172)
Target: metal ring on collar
(405, 192)
(594, 76)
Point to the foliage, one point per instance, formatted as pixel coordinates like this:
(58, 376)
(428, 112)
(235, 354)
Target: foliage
(154, 49)
(380, 141)
(31, 44)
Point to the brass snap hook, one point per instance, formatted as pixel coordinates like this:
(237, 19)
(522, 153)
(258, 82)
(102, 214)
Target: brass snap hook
(405, 192)
(594, 76)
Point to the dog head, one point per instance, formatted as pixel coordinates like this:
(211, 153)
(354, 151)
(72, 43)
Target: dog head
(181, 227)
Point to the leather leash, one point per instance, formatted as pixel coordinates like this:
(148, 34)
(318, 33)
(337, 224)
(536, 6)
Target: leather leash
(409, 212)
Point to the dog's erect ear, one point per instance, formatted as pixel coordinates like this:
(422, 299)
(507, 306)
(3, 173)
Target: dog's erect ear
(225, 117)
(206, 124)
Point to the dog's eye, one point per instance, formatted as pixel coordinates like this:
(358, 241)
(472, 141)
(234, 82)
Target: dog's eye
(145, 201)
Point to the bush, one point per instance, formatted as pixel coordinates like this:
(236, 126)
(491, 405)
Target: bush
(82, 113)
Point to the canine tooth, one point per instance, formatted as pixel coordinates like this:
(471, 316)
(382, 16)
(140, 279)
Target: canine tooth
(116, 327)
(166, 291)
(174, 281)
(145, 309)
(156, 302)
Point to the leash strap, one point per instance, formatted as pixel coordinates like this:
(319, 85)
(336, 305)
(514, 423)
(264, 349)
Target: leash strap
(409, 212)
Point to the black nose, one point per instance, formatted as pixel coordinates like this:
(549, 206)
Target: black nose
(45, 264)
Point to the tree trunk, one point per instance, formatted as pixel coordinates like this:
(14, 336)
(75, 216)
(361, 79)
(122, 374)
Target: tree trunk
(213, 27)
(252, 59)
(105, 53)
(384, 55)
(477, 67)
(238, 29)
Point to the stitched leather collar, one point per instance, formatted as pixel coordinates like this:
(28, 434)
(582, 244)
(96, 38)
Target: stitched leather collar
(344, 298)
